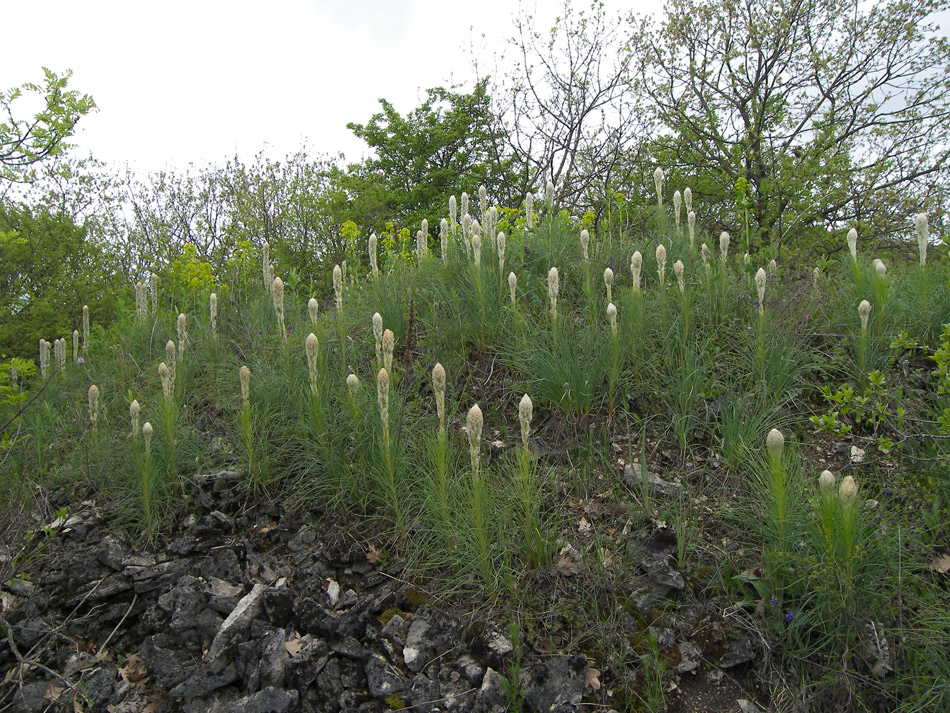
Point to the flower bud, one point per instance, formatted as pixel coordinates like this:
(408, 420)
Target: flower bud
(553, 288)
(373, 245)
(512, 285)
(760, 279)
(525, 408)
(585, 243)
(378, 336)
(853, 243)
(691, 224)
(134, 410)
(609, 283)
(923, 236)
(477, 249)
(864, 310)
(724, 246)
(848, 490)
(612, 316)
(94, 404)
(775, 444)
(826, 481)
(147, 434)
(678, 270)
(245, 375)
(353, 384)
(313, 307)
(658, 183)
(636, 265)
(688, 199)
(660, 262)
(389, 343)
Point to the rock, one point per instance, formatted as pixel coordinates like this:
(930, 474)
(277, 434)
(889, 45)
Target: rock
(351, 648)
(303, 540)
(203, 682)
(165, 663)
(30, 697)
(491, 695)
(382, 679)
(274, 658)
(396, 630)
(333, 593)
(267, 700)
(26, 633)
(857, 454)
(158, 576)
(279, 606)
(739, 652)
(431, 634)
(658, 487)
(248, 608)
(424, 695)
(690, 658)
(557, 684)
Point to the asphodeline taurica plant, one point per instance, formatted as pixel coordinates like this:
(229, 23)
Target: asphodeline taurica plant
(609, 283)
(660, 263)
(636, 266)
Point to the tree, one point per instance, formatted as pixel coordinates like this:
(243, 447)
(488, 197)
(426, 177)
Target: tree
(827, 113)
(451, 143)
(26, 142)
(567, 102)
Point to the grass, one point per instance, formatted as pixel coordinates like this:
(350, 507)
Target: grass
(537, 521)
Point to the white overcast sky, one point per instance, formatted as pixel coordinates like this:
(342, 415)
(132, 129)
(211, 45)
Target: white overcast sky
(196, 81)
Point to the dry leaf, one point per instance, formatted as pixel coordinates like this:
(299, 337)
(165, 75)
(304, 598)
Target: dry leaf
(566, 561)
(373, 555)
(107, 654)
(592, 677)
(545, 646)
(134, 672)
(267, 528)
(153, 701)
(77, 705)
(584, 527)
(53, 692)
(941, 565)
(293, 646)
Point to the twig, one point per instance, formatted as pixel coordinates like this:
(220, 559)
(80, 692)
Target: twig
(128, 611)
(24, 662)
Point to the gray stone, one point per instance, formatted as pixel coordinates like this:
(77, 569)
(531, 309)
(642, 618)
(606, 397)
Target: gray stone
(424, 695)
(491, 695)
(555, 685)
(690, 658)
(396, 630)
(431, 634)
(739, 652)
(382, 679)
(267, 700)
(166, 665)
(274, 658)
(203, 682)
(238, 620)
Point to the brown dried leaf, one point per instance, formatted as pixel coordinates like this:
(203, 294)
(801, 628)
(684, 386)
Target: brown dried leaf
(53, 692)
(941, 565)
(584, 527)
(134, 672)
(373, 555)
(293, 646)
(592, 677)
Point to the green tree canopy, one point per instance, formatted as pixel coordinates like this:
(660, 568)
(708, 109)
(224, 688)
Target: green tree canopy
(453, 142)
(24, 142)
(832, 112)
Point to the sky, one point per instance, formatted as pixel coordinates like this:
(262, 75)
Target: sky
(197, 81)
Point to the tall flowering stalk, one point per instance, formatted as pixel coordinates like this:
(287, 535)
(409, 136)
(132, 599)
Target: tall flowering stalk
(169, 410)
(453, 216)
(389, 344)
(85, 331)
(146, 475)
(44, 357)
(267, 269)
(691, 225)
(923, 239)
(500, 245)
(340, 322)
(879, 293)
(378, 337)
(141, 302)
(528, 486)
(277, 292)
(724, 254)
(688, 199)
(615, 357)
(463, 208)
(313, 309)
(658, 184)
(677, 207)
(853, 266)
(660, 264)
(777, 490)
(75, 346)
(170, 359)
(636, 304)
(513, 287)
(587, 287)
(864, 311)
(529, 211)
(474, 423)
(373, 246)
(609, 283)
(213, 314)
(441, 446)
(444, 239)
(382, 394)
(760, 279)
(554, 283)
(94, 407)
(312, 350)
(182, 337)
(59, 351)
(467, 234)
